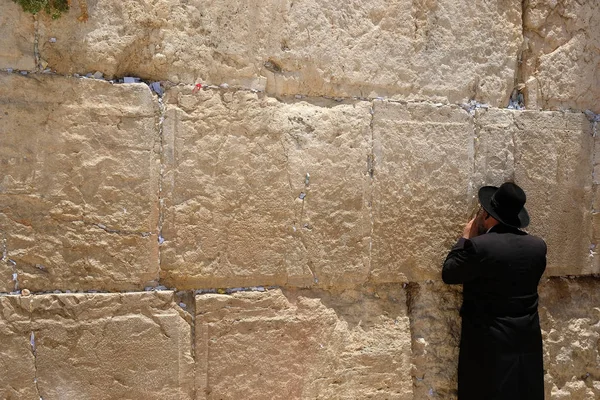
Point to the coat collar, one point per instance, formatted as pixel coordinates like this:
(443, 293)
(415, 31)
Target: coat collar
(501, 228)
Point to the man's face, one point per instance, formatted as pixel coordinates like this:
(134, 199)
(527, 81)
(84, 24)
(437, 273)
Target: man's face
(480, 221)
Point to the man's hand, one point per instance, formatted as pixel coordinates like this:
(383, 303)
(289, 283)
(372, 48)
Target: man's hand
(470, 229)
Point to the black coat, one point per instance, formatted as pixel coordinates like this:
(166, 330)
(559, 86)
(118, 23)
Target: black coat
(501, 342)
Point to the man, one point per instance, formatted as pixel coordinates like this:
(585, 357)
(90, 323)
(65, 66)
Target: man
(499, 267)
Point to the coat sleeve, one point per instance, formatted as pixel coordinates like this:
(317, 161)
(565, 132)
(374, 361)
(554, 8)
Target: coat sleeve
(462, 263)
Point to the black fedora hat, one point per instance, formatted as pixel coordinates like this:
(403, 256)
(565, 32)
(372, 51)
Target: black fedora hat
(506, 204)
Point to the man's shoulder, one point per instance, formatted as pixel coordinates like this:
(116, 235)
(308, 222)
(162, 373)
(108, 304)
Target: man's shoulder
(509, 238)
(537, 239)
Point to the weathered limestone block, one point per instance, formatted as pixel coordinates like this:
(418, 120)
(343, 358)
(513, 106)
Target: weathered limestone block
(594, 249)
(17, 365)
(126, 345)
(549, 154)
(301, 345)
(17, 33)
(120, 38)
(447, 50)
(562, 55)
(263, 192)
(494, 149)
(79, 183)
(435, 330)
(570, 319)
(554, 166)
(423, 166)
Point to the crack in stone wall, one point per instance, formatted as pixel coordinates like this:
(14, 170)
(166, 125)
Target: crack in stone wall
(161, 177)
(187, 301)
(472, 199)
(12, 265)
(371, 165)
(519, 84)
(36, 42)
(35, 366)
(594, 211)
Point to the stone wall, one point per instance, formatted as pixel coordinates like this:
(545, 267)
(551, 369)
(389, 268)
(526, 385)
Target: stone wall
(278, 231)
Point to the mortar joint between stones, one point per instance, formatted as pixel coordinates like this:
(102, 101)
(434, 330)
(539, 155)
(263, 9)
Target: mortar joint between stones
(161, 177)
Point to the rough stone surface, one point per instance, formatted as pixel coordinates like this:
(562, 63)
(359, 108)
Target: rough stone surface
(300, 345)
(17, 365)
(6, 274)
(79, 183)
(263, 192)
(447, 50)
(494, 149)
(133, 345)
(561, 61)
(423, 157)
(554, 165)
(17, 33)
(595, 236)
(570, 319)
(549, 154)
(7, 269)
(321, 185)
(435, 333)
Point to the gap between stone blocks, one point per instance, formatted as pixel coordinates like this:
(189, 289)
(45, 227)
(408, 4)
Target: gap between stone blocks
(162, 167)
(161, 86)
(184, 295)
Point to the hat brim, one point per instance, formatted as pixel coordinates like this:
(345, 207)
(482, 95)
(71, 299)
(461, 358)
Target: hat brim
(485, 199)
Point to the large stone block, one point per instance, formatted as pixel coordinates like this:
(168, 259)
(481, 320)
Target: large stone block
(301, 345)
(445, 50)
(79, 183)
(562, 54)
(263, 192)
(120, 38)
(553, 157)
(423, 158)
(128, 345)
(17, 364)
(494, 148)
(17, 33)
(549, 154)
(570, 319)
(435, 330)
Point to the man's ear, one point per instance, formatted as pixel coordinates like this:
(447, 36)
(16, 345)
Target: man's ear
(487, 215)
